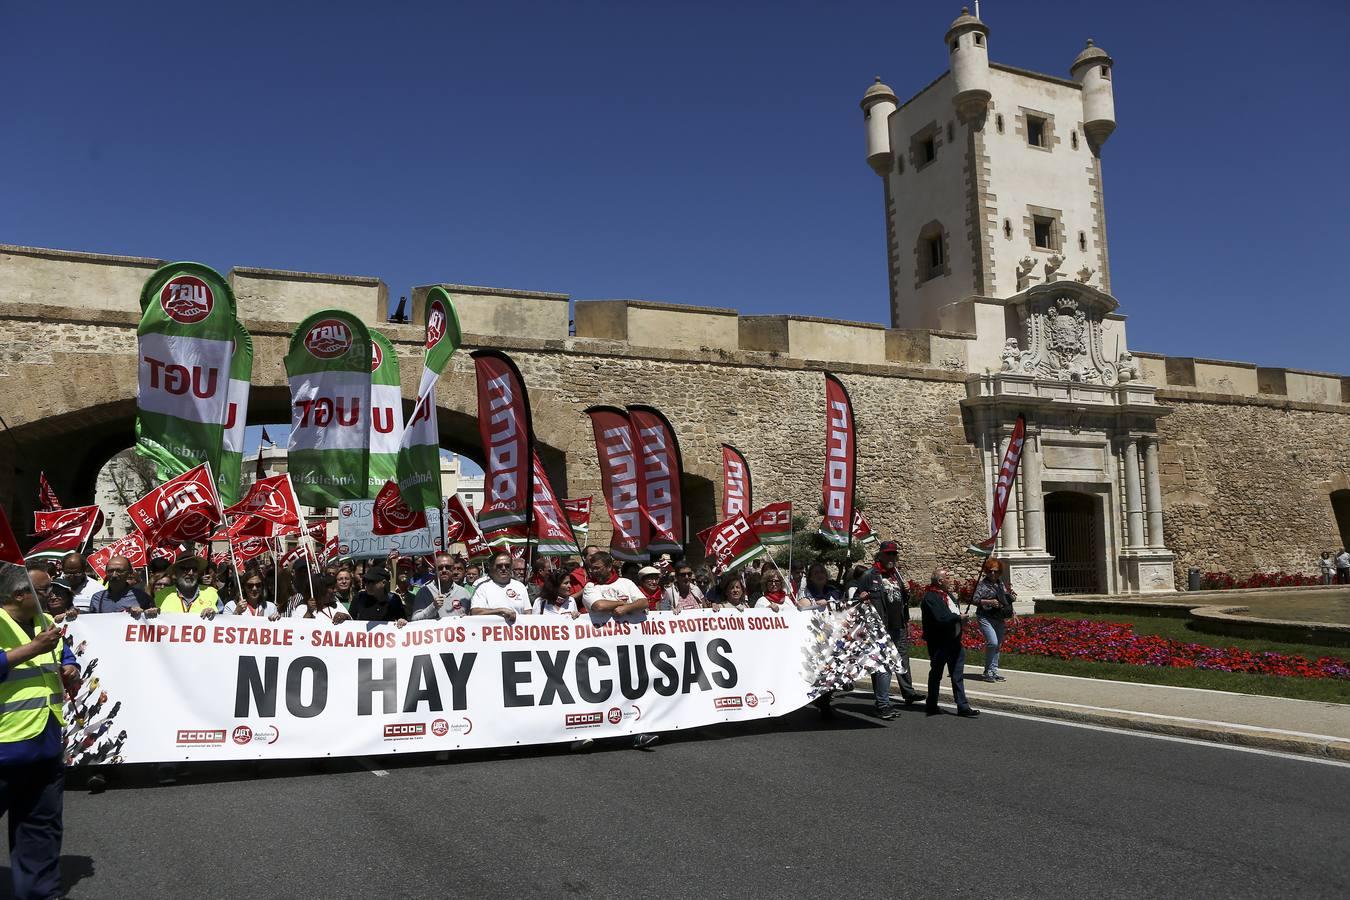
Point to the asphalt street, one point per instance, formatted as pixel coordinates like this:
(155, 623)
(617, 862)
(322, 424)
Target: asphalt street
(798, 807)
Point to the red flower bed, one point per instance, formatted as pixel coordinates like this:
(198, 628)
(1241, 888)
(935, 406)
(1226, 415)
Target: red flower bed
(1116, 642)
(1223, 581)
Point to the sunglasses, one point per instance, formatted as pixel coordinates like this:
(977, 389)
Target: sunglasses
(253, 585)
(445, 568)
(501, 566)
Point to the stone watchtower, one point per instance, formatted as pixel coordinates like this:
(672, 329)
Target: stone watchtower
(996, 230)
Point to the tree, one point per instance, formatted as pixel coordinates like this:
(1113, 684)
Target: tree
(809, 546)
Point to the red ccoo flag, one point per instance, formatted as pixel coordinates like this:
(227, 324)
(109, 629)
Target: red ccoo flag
(184, 508)
(46, 496)
(731, 543)
(272, 499)
(9, 545)
(392, 516)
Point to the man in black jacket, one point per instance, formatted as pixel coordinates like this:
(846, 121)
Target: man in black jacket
(884, 587)
(942, 631)
(377, 603)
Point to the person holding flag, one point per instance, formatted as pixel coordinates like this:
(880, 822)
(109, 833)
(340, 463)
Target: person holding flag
(36, 670)
(993, 602)
(884, 587)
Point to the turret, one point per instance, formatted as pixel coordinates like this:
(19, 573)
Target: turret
(878, 103)
(1092, 69)
(968, 45)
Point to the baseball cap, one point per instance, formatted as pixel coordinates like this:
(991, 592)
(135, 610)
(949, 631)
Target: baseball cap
(888, 547)
(64, 585)
(374, 574)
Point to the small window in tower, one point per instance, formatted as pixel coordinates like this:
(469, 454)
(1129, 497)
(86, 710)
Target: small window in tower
(979, 39)
(936, 258)
(998, 122)
(1082, 241)
(1007, 228)
(956, 45)
(951, 135)
(1043, 232)
(1035, 131)
(1106, 73)
(1073, 139)
(929, 150)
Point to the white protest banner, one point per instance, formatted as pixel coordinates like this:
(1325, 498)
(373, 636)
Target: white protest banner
(357, 540)
(181, 688)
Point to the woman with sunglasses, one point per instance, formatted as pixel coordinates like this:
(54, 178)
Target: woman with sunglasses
(254, 603)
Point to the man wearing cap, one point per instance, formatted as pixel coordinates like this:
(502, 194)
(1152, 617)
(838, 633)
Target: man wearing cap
(375, 602)
(649, 583)
(501, 595)
(120, 595)
(884, 587)
(34, 663)
(188, 596)
(84, 587)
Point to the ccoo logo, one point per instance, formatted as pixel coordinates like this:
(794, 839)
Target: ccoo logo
(187, 299)
(328, 339)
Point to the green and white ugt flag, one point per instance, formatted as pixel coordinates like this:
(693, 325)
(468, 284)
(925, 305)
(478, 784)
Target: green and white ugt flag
(184, 344)
(229, 474)
(328, 366)
(386, 414)
(419, 453)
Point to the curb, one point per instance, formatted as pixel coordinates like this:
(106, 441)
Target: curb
(1236, 735)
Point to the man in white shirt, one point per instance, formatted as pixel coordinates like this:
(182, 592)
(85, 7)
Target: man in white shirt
(607, 594)
(501, 595)
(74, 570)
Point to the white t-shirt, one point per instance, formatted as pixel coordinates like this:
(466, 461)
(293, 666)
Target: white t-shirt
(266, 611)
(326, 614)
(620, 589)
(82, 600)
(512, 595)
(553, 609)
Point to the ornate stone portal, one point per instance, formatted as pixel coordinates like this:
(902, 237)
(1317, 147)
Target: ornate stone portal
(1086, 514)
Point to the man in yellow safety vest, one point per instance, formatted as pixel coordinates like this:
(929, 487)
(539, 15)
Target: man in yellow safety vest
(34, 663)
(187, 595)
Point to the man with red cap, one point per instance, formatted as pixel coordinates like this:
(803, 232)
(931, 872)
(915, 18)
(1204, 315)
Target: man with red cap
(884, 587)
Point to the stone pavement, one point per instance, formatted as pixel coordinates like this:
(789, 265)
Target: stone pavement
(1271, 723)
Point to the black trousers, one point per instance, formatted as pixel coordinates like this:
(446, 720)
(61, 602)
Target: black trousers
(951, 656)
(32, 795)
(901, 641)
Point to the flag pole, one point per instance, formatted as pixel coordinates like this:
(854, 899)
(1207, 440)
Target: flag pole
(234, 565)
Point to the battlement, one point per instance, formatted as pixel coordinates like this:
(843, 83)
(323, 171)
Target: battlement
(74, 286)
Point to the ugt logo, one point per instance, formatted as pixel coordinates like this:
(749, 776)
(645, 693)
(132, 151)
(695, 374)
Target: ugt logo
(186, 299)
(328, 339)
(436, 323)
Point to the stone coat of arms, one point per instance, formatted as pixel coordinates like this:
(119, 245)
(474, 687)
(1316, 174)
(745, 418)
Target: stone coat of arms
(1062, 325)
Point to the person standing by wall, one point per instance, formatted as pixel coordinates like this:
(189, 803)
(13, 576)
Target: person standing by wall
(1343, 567)
(1327, 565)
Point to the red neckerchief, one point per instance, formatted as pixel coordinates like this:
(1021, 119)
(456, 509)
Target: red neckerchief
(613, 577)
(775, 596)
(653, 600)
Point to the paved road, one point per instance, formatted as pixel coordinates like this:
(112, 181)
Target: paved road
(1001, 806)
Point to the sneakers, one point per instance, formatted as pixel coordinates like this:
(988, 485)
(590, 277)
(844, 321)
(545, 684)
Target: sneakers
(642, 741)
(992, 678)
(582, 746)
(887, 713)
(916, 698)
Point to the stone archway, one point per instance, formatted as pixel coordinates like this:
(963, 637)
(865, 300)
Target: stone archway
(1076, 539)
(1340, 510)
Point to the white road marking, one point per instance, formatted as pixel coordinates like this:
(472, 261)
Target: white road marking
(1167, 737)
(1144, 684)
(378, 773)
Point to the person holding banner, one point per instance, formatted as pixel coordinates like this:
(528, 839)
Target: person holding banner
(187, 596)
(36, 671)
(324, 604)
(376, 603)
(607, 594)
(443, 596)
(120, 595)
(884, 587)
(649, 583)
(993, 608)
(683, 593)
(773, 592)
(254, 603)
(501, 595)
(556, 596)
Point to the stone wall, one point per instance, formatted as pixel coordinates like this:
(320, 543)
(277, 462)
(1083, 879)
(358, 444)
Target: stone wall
(1246, 485)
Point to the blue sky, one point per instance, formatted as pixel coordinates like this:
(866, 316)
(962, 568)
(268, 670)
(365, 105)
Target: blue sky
(696, 153)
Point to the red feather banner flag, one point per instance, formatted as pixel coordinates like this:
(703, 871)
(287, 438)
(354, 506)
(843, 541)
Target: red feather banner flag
(621, 481)
(550, 532)
(272, 499)
(1007, 476)
(578, 515)
(841, 445)
(46, 496)
(862, 530)
(64, 530)
(737, 496)
(9, 545)
(731, 543)
(508, 443)
(392, 516)
(662, 498)
(184, 508)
